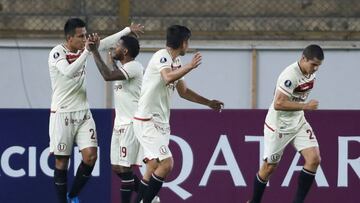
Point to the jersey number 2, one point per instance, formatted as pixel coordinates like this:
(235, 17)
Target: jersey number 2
(92, 131)
(311, 136)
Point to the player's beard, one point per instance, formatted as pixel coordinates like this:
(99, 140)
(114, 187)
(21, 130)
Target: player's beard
(182, 53)
(118, 57)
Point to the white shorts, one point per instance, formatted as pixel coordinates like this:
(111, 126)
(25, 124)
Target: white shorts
(125, 148)
(154, 138)
(276, 142)
(67, 128)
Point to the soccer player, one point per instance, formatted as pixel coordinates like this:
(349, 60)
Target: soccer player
(70, 119)
(163, 75)
(124, 145)
(285, 123)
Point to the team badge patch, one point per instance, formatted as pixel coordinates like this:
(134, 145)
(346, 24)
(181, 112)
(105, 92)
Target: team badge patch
(287, 83)
(163, 150)
(61, 147)
(56, 55)
(163, 60)
(275, 157)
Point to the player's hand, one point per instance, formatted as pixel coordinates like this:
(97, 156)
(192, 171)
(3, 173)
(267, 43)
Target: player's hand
(137, 29)
(92, 42)
(311, 105)
(196, 60)
(216, 105)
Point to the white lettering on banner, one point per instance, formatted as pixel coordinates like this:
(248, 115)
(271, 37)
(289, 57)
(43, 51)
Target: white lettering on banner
(44, 166)
(260, 139)
(32, 162)
(5, 161)
(231, 164)
(319, 177)
(344, 161)
(188, 162)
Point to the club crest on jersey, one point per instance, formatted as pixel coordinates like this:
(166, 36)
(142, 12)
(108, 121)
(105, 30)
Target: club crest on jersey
(56, 55)
(287, 83)
(163, 60)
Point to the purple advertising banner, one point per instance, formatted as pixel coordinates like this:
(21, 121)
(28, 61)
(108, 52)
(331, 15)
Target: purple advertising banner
(26, 167)
(218, 154)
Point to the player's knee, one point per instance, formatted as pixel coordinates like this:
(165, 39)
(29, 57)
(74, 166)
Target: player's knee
(167, 164)
(120, 169)
(61, 162)
(314, 160)
(90, 159)
(269, 168)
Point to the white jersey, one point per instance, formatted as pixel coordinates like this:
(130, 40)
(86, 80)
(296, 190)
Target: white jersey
(293, 83)
(67, 74)
(127, 92)
(155, 94)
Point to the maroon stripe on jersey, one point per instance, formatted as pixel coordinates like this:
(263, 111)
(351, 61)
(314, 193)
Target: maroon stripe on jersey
(142, 119)
(52, 111)
(125, 72)
(72, 57)
(304, 87)
(270, 128)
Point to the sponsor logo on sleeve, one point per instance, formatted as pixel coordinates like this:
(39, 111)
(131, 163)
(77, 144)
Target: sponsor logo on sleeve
(163, 60)
(287, 83)
(56, 55)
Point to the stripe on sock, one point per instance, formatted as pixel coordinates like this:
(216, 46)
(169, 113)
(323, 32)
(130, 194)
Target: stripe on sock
(260, 180)
(309, 172)
(156, 178)
(144, 183)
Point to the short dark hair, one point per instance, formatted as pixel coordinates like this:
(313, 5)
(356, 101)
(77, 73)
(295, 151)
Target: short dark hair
(176, 35)
(132, 44)
(313, 51)
(71, 24)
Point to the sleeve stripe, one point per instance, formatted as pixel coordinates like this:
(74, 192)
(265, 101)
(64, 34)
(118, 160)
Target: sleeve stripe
(125, 73)
(284, 91)
(163, 67)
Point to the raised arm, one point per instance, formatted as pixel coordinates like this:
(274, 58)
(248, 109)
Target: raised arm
(170, 76)
(111, 40)
(108, 73)
(282, 102)
(70, 69)
(192, 96)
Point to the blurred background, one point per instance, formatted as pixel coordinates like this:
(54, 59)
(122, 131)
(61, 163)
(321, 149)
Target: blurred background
(245, 45)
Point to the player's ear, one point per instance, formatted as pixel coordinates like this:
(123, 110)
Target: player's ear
(183, 44)
(68, 37)
(304, 58)
(125, 51)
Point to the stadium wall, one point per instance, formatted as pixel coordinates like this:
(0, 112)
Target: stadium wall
(225, 74)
